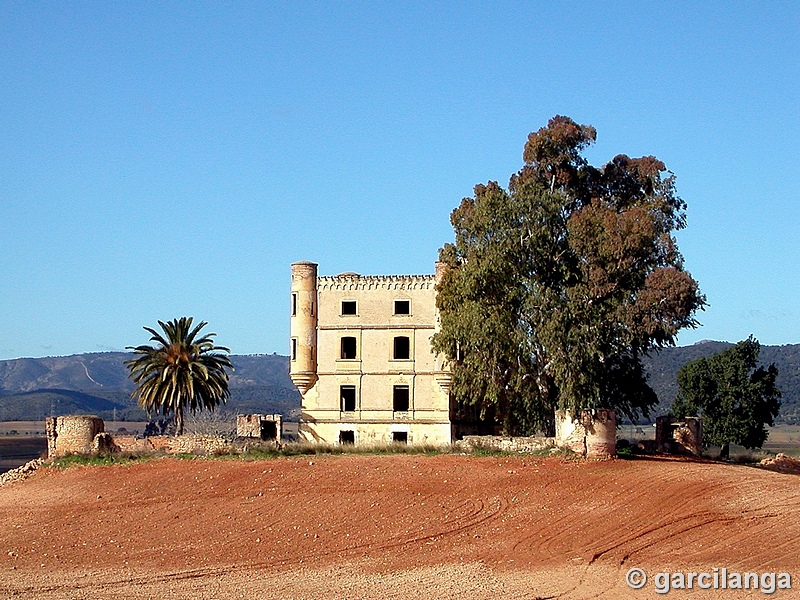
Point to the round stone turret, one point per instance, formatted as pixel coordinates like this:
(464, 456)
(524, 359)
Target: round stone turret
(71, 434)
(303, 326)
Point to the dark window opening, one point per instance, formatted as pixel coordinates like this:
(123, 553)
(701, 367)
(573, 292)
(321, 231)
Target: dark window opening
(402, 307)
(349, 307)
(400, 437)
(294, 304)
(400, 398)
(402, 348)
(347, 437)
(294, 348)
(348, 348)
(269, 430)
(347, 393)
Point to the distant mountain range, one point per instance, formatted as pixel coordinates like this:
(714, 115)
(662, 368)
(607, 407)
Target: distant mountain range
(663, 370)
(97, 383)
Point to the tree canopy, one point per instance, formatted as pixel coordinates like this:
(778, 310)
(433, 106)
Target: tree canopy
(556, 286)
(182, 370)
(736, 399)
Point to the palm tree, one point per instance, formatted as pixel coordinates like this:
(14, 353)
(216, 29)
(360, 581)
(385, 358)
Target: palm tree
(181, 370)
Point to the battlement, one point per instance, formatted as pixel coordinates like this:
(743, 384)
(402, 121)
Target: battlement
(354, 281)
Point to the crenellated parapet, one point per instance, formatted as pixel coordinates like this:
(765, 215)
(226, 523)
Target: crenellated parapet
(354, 281)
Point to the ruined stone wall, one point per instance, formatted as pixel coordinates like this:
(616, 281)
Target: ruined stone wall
(184, 444)
(570, 433)
(71, 435)
(679, 437)
(86, 435)
(593, 434)
(248, 426)
(471, 443)
(133, 445)
(252, 426)
(689, 436)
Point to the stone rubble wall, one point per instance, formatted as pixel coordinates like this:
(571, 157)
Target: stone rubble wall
(21, 473)
(470, 443)
(570, 434)
(249, 426)
(86, 435)
(689, 437)
(679, 436)
(184, 444)
(72, 434)
(594, 435)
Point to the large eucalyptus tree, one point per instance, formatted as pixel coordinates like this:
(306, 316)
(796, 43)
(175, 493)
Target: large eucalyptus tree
(559, 284)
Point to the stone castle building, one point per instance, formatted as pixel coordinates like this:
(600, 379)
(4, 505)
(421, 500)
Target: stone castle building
(361, 358)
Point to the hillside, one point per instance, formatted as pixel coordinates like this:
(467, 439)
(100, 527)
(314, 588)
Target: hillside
(401, 526)
(98, 383)
(663, 369)
(104, 371)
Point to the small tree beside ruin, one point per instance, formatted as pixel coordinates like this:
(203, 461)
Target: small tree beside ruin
(180, 371)
(736, 398)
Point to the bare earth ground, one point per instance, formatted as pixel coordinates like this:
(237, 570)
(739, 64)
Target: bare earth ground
(392, 526)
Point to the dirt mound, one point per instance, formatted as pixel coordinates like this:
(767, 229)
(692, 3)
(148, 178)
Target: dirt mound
(359, 526)
(782, 464)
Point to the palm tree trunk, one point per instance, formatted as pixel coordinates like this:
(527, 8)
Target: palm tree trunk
(179, 420)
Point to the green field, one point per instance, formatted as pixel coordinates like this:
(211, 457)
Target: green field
(784, 438)
(636, 433)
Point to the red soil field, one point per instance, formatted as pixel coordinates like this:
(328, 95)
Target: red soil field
(392, 526)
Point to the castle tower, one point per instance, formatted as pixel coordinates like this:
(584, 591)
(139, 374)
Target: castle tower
(303, 326)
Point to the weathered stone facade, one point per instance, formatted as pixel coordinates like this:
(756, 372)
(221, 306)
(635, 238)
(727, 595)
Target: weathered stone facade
(71, 435)
(263, 427)
(675, 436)
(361, 358)
(523, 444)
(87, 435)
(594, 434)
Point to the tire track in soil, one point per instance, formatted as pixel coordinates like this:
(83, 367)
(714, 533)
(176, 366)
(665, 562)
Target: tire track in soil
(477, 516)
(404, 511)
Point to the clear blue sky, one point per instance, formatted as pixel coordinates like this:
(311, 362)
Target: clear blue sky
(162, 159)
